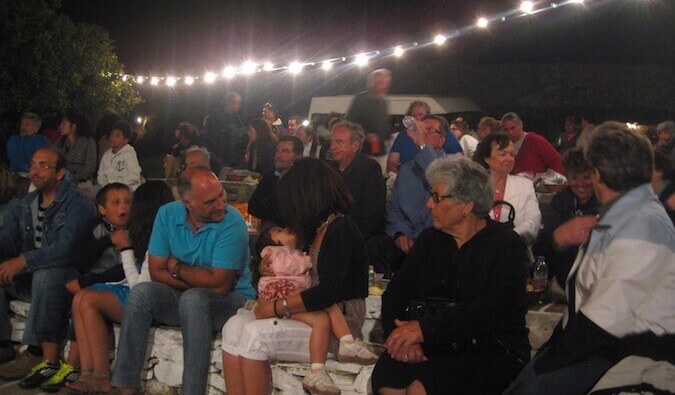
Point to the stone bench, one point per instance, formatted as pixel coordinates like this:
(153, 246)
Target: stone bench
(164, 367)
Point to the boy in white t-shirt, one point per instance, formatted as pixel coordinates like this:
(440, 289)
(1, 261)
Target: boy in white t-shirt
(119, 163)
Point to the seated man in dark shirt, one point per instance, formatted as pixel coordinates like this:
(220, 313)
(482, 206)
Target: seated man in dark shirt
(576, 200)
(263, 203)
(365, 182)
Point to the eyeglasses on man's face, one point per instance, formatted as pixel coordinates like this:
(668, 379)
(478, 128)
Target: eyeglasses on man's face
(41, 166)
(438, 198)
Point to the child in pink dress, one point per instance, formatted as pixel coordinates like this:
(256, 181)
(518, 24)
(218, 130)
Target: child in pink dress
(293, 274)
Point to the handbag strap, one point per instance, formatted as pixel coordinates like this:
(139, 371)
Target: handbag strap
(512, 210)
(419, 172)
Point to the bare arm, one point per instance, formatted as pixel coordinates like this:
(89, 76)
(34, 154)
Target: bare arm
(392, 161)
(217, 280)
(159, 272)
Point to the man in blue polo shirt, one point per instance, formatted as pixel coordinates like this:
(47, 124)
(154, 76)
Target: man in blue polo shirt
(199, 263)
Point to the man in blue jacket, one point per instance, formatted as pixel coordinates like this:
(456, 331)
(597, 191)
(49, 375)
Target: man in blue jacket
(407, 213)
(36, 245)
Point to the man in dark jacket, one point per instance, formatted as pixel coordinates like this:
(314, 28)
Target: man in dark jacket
(263, 203)
(225, 133)
(36, 247)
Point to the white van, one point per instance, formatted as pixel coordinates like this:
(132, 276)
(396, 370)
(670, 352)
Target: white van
(449, 107)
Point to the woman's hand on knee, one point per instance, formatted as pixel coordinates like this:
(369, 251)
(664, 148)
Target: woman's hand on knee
(263, 309)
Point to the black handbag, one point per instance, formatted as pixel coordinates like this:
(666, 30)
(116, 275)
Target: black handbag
(512, 211)
(428, 307)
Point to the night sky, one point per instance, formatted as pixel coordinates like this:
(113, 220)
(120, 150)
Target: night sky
(192, 37)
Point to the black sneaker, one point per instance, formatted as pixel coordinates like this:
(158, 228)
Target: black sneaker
(38, 375)
(66, 374)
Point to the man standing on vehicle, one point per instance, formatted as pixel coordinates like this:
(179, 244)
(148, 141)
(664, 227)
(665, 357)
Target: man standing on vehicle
(369, 109)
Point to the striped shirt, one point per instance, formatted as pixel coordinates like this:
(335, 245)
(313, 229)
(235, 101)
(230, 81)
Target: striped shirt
(38, 226)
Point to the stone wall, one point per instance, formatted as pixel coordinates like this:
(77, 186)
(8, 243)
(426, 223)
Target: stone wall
(163, 370)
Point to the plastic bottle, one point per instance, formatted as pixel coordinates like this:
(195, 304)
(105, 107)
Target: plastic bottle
(409, 123)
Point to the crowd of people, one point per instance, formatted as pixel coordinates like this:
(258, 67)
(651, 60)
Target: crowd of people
(88, 241)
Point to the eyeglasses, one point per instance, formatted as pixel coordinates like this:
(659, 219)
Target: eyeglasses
(438, 198)
(432, 130)
(41, 166)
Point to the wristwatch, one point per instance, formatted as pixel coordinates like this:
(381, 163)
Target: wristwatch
(176, 272)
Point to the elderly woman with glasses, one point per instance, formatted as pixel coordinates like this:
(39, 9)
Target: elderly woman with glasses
(454, 314)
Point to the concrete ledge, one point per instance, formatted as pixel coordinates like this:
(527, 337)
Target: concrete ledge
(163, 370)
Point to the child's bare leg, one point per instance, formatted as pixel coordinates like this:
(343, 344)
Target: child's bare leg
(84, 349)
(350, 350)
(338, 322)
(318, 340)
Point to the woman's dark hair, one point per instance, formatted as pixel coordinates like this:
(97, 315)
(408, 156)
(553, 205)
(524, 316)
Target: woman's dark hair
(574, 161)
(263, 131)
(308, 193)
(148, 198)
(83, 123)
(190, 132)
(484, 149)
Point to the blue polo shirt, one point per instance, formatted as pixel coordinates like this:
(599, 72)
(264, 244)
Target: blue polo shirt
(218, 245)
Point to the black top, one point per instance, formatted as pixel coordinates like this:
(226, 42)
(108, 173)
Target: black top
(342, 266)
(89, 253)
(563, 207)
(365, 183)
(371, 112)
(264, 156)
(487, 275)
(263, 203)
(224, 138)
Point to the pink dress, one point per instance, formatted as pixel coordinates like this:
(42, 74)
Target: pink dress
(291, 273)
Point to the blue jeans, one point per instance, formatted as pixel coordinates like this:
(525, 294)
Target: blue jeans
(578, 378)
(50, 304)
(198, 311)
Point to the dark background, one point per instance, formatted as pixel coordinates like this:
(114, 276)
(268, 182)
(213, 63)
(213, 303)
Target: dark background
(191, 37)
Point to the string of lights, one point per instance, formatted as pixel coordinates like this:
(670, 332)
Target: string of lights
(251, 67)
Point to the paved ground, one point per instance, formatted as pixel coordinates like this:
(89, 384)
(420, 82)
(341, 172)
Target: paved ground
(12, 388)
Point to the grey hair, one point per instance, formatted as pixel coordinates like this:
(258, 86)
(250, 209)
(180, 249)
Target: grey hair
(33, 117)
(203, 150)
(376, 75)
(356, 130)
(623, 157)
(667, 126)
(511, 117)
(465, 180)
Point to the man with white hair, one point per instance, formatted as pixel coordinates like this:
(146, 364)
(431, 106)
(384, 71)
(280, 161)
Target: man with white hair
(197, 157)
(21, 147)
(369, 109)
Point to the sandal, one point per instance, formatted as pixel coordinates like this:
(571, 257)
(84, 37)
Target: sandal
(97, 383)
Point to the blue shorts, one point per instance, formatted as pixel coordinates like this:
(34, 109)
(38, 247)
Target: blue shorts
(121, 291)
